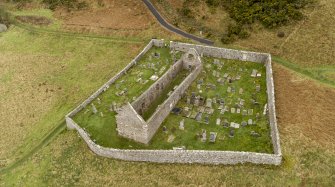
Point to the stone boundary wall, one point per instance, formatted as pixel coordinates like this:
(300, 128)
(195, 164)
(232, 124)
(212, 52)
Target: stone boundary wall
(164, 109)
(221, 52)
(272, 107)
(192, 156)
(152, 93)
(153, 42)
(177, 156)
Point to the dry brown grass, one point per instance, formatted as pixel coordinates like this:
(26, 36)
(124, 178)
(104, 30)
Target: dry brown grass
(305, 107)
(307, 43)
(23, 96)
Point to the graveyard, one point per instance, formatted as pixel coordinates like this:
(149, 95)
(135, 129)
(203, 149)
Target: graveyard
(223, 109)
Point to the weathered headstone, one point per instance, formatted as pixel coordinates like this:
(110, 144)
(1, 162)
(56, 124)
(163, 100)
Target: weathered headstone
(181, 125)
(207, 120)
(212, 137)
(218, 121)
(254, 73)
(164, 129)
(234, 125)
(240, 91)
(231, 133)
(244, 123)
(198, 116)
(249, 121)
(94, 109)
(250, 112)
(254, 134)
(204, 134)
(3, 28)
(232, 110)
(209, 103)
(229, 89)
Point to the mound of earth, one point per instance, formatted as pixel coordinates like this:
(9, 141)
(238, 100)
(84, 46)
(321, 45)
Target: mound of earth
(35, 20)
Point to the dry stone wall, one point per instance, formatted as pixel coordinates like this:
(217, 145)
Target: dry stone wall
(177, 156)
(192, 156)
(221, 52)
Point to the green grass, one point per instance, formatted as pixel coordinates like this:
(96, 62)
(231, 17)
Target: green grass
(324, 74)
(72, 70)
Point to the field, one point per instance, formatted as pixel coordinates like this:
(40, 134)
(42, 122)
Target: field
(304, 100)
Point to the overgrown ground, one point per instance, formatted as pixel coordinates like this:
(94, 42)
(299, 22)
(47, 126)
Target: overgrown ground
(304, 108)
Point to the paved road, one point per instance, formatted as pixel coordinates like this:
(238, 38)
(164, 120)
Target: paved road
(171, 28)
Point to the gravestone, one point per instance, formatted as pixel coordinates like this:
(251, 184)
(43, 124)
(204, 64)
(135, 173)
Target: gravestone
(204, 138)
(229, 89)
(94, 109)
(188, 100)
(196, 101)
(250, 112)
(171, 138)
(198, 116)
(225, 123)
(207, 120)
(212, 137)
(249, 121)
(254, 73)
(258, 88)
(240, 91)
(164, 129)
(181, 125)
(238, 111)
(154, 77)
(244, 123)
(254, 134)
(234, 125)
(3, 28)
(232, 110)
(231, 133)
(209, 103)
(218, 121)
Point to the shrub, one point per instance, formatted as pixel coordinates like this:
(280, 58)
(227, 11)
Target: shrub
(280, 34)
(69, 4)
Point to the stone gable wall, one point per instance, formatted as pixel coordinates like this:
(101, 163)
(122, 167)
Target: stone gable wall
(131, 125)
